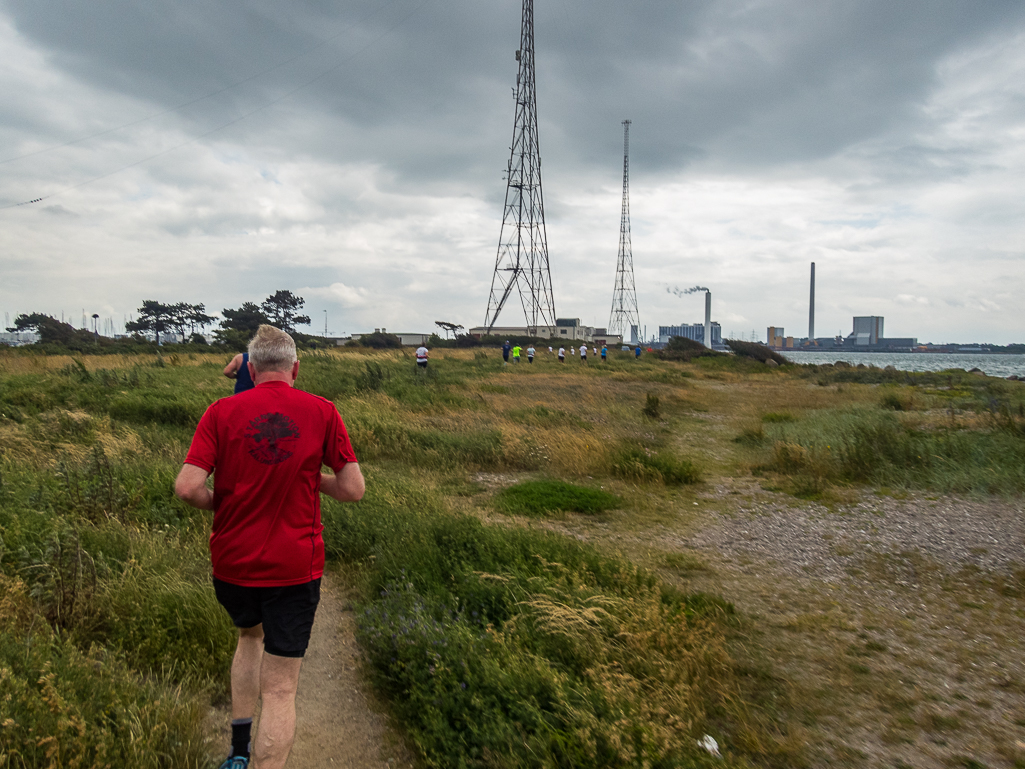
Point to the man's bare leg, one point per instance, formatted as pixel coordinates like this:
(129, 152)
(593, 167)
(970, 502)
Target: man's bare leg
(279, 680)
(245, 672)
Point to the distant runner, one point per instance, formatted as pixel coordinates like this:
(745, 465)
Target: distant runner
(562, 355)
(516, 353)
(505, 352)
(604, 353)
(530, 354)
(238, 370)
(421, 357)
(583, 353)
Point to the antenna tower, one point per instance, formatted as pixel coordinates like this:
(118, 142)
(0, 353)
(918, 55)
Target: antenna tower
(522, 260)
(624, 313)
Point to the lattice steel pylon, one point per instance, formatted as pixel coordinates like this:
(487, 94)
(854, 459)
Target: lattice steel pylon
(624, 299)
(522, 259)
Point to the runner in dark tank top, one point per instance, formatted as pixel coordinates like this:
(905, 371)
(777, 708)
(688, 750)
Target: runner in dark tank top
(238, 370)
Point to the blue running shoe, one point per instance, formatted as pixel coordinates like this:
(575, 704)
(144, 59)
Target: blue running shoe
(235, 762)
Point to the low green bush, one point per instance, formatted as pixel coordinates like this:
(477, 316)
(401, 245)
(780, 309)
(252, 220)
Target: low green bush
(540, 498)
(775, 417)
(638, 463)
(755, 351)
(517, 647)
(680, 348)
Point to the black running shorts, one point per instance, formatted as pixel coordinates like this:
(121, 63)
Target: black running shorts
(285, 612)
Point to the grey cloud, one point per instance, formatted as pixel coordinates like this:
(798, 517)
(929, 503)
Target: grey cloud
(428, 96)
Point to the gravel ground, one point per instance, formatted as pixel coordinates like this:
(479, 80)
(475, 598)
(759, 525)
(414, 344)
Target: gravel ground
(899, 622)
(812, 539)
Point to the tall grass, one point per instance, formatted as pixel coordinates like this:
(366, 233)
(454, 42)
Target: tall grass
(866, 445)
(111, 642)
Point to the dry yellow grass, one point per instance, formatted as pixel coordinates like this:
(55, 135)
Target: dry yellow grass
(14, 363)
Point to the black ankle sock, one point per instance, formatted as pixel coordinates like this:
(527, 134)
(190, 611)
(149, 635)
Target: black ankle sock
(241, 729)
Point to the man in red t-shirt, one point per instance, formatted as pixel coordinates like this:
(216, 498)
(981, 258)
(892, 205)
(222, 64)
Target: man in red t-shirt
(266, 447)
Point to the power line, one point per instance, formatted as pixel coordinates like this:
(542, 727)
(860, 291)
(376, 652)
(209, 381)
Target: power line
(222, 126)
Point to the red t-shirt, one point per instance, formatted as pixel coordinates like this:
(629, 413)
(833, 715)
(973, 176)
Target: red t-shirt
(267, 446)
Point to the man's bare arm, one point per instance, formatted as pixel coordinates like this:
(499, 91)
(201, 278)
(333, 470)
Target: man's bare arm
(190, 486)
(347, 485)
(231, 370)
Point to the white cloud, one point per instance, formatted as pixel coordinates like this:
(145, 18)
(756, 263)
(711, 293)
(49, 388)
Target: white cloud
(348, 296)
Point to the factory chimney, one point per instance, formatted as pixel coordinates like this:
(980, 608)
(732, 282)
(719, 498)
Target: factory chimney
(811, 308)
(708, 319)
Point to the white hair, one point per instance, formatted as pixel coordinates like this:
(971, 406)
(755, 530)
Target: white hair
(272, 350)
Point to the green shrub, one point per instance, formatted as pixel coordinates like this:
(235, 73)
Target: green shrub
(682, 349)
(775, 417)
(379, 340)
(539, 498)
(755, 351)
(637, 463)
(897, 401)
(526, 646)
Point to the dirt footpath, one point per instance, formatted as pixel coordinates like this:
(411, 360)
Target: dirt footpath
(339, 722)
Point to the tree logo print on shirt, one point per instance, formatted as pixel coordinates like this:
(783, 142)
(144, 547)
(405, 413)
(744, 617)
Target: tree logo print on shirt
(270, 436)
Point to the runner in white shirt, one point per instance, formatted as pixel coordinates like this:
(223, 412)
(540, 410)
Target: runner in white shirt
(583, 353)
(421, 356)
(562, 355)
(530, 354)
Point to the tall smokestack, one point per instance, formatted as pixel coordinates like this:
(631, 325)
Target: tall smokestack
(811, 308)
(708, 319)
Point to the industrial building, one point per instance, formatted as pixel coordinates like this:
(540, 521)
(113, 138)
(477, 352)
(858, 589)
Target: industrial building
(564, 330)
(694, 331)
(18, 338)
(776, 339)
(867, 336)
(868, 330)
(408, 339)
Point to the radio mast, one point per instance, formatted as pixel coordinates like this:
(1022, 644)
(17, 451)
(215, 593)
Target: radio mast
(522, 259)
(625, 316)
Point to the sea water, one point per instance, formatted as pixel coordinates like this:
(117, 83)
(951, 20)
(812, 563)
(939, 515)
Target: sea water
(992, 364)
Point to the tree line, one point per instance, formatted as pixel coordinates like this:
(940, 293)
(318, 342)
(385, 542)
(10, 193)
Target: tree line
(187, 322)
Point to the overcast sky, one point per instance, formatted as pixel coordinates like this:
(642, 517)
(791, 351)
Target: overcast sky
(352, 152)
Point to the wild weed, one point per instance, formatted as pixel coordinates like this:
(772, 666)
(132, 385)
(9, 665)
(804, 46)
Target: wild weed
(651, 407)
